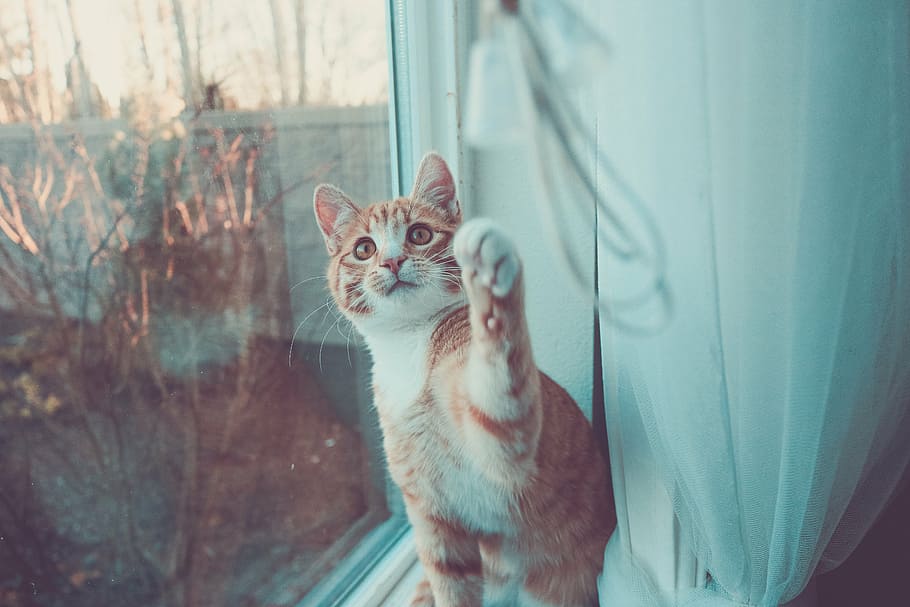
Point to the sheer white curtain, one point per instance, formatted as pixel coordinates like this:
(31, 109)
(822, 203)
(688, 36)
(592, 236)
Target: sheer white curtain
(757, 350)
(770, 142)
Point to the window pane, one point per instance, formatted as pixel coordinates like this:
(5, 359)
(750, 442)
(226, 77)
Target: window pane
(184, 418)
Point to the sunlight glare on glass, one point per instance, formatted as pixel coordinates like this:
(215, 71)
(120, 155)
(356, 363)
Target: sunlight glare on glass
(231, 43)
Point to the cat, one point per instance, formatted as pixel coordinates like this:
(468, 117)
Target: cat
(502, 481)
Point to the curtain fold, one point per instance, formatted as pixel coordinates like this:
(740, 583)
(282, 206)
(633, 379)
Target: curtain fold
(770, 142)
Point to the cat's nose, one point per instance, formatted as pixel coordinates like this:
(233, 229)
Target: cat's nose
(394, 263)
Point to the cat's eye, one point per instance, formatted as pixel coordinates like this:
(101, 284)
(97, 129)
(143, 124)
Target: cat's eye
(420, 235)
(364, 249)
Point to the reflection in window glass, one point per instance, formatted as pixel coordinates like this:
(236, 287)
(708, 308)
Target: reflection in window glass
(162, 440)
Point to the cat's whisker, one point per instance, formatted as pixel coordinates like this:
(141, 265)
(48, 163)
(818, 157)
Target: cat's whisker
(445, 268)
(359, 299)
(437, 255)
(297, 330)
(322, 343)
(323, 277)
(348, 346)
(440, 269)
(452, 277)
(328, 310)
(446, 276)
(433, 281)
(338, 319)
(447, 252)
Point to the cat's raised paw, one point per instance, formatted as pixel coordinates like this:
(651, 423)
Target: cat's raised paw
(486, 256)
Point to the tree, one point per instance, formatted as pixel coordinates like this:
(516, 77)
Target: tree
(185, 59)
(280, 50)
(80, 83)
(41, 77)
(300, 21)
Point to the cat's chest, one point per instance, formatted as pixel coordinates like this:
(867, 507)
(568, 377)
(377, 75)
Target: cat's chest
(465, 494)
(428, 461)
(399, 368)
(424, 450)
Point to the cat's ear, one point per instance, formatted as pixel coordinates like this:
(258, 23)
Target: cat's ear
(434, 185)
(333, 210)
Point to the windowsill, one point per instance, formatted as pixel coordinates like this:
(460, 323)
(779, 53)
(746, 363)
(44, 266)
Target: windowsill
(381, 570)
(403, 590)
(392, 580)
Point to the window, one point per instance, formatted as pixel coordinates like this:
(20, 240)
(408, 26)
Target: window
(184, 420)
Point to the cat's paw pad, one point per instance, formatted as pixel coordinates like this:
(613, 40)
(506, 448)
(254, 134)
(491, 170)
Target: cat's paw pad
(487, 256)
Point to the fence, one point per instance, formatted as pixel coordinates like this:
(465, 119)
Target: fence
(296, 149)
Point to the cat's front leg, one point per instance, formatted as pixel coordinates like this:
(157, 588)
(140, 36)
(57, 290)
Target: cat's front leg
(500, 388)
(451, 561)
(423, 595)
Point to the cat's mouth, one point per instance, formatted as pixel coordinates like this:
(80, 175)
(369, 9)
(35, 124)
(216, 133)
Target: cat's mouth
(399, 285)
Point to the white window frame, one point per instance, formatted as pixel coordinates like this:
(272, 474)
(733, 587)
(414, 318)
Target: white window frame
(427, 44)
(427, 59)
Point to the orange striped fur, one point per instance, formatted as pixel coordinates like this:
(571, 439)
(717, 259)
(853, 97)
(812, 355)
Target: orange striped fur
(502, 481)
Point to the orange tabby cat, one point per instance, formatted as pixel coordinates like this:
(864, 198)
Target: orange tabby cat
(503, 483)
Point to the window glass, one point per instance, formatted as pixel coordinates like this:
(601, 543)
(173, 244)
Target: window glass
(184, 417)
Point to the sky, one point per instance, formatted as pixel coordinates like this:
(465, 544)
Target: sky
(346, 46)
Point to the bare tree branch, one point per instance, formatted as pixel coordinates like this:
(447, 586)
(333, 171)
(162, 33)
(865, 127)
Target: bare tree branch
(185, 58)
(280, 50)
(300, 21)
(143, 38)
(18, 224)
(81, 88)
(41, 78)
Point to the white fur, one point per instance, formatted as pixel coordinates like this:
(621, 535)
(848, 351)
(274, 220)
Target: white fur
(481, 504)
(501, 596)
(399, 365)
